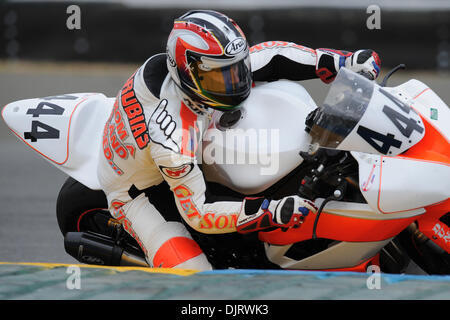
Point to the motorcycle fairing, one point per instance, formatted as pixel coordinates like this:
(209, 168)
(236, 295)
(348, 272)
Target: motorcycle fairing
(433, 148)
(66, 130)
(359, 115)
(345, 221)
(420, 176)
(340, 255)
(426, 102)
(359, 233)
(400, 184)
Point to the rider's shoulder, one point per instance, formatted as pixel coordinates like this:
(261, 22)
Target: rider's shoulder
(150, 77)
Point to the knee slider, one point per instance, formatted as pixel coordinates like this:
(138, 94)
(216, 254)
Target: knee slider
(173, 247)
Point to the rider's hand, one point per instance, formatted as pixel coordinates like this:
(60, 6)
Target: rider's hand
(366, 62)
(259, 213)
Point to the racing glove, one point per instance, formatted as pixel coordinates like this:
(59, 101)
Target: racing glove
(329, 61)
(366, 62)
(259, 213)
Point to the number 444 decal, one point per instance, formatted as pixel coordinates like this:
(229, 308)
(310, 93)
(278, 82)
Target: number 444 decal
(405, 125)
(45, 108)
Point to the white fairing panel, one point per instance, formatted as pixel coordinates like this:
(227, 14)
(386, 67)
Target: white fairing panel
(389, 126)
(408, 184)
(396, 184)
(264, 145)
(338, 255)
(425, 101)
(66, 130)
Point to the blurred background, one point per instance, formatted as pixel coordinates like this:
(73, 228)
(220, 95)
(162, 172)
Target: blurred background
(413, 32)
(41, 56)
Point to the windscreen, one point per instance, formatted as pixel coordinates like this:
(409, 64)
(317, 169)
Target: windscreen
(344, 106)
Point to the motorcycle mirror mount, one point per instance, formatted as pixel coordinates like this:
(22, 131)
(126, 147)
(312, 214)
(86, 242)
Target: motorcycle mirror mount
(390, 73)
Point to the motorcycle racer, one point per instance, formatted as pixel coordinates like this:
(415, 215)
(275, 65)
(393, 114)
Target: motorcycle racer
(158, 120)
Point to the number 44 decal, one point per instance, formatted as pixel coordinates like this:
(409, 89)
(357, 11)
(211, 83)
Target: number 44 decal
(45, 108)
(405, 125)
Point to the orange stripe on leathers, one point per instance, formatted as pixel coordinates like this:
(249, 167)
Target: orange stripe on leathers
(190, 131)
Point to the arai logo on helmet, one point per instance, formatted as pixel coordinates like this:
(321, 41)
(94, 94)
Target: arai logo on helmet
(235, 46)
(171, 60)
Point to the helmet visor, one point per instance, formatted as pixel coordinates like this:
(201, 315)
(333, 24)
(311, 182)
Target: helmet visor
(228, 85)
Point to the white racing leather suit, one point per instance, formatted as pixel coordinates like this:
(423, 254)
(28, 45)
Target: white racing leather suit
(151, 137)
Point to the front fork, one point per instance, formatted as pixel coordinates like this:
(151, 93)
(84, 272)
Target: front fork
(427, 240)
(433, 224)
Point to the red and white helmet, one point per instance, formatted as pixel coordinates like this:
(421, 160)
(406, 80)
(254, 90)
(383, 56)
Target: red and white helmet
(208, 58)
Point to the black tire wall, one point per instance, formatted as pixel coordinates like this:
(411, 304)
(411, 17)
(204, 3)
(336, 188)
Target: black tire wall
(73, 200)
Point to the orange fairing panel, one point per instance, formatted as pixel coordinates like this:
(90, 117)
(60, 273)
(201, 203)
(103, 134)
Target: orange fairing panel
(433, 147)
(342, 227)
(354, 229)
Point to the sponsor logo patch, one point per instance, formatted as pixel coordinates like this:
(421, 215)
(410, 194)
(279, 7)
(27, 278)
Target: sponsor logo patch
(433, 113)
(280, 44)
(184, 194)
(177, 172)
(222, 221)
(135, 113)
